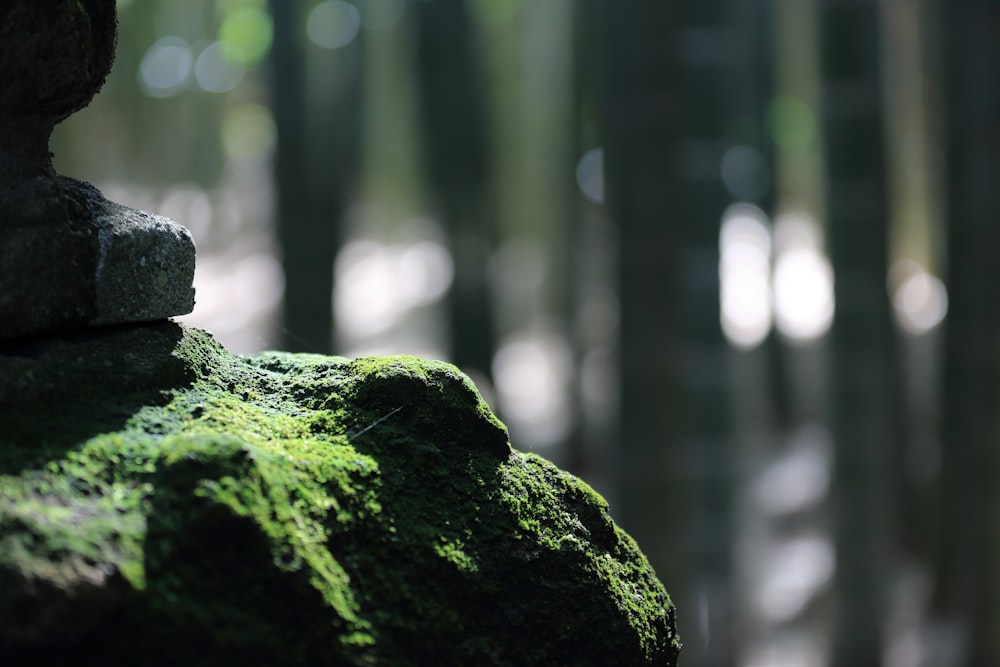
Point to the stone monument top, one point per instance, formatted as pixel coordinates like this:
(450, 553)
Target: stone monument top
(69, 258)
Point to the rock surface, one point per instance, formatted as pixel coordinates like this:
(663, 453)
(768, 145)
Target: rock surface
(163, 502)
(54, 57)
(69, 258)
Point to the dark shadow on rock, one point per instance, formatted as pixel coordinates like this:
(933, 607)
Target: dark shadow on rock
(469, 585)
(494, 557)
(58, 391)
(237, 602)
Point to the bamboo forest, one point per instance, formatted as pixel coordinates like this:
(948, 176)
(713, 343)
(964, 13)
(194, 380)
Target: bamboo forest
(729, 261)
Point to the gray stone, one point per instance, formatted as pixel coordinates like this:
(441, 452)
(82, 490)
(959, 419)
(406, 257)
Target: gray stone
(145, 267)
(70, 258)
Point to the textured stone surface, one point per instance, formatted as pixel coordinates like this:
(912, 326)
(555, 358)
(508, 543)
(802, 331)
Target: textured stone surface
(54, 57)
(68, 257)
(191, 507)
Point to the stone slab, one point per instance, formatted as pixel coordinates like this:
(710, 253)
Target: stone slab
(69, 258)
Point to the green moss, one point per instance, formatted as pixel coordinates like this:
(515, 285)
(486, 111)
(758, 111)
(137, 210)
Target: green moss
(282, 509)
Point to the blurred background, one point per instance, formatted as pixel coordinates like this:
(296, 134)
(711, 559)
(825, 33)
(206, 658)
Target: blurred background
(730, 261)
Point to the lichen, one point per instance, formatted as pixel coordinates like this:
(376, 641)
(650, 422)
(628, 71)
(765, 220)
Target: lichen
(283, 509)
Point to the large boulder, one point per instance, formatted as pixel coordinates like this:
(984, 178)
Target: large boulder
(163, 502)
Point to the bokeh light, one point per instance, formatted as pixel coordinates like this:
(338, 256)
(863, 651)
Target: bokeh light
(590, 175)
(791, 123)
(519, 268)
(795, 572)
(165, 69)
(234, 292)
(248, 28)
(920, 300)
(378, 284)
(333, 24)
(744, 273)
(190, 204)
(802, 280)
(800, 480)
(248, 132)
(532, 374)
(217, 70)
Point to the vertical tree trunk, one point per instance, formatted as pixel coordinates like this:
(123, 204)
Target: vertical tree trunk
(862, 337)
(640, 135)
(968, 581)
(707, 57)
(752, 79)
(307, 218)
(665, 107)
(584, 454)
(912, 68)
(458, 173)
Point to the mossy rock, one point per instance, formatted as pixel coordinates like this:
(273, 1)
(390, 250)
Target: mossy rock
(163, 502)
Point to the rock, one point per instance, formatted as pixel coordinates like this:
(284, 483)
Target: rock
(163, 502)
(68, 257)
(54, 57)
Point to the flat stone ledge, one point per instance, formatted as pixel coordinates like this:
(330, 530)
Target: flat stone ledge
(70, 258)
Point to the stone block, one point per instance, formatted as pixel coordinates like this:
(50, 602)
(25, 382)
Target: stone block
(70, 258)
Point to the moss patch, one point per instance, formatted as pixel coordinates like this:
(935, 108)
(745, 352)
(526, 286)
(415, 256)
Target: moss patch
(164, 501)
